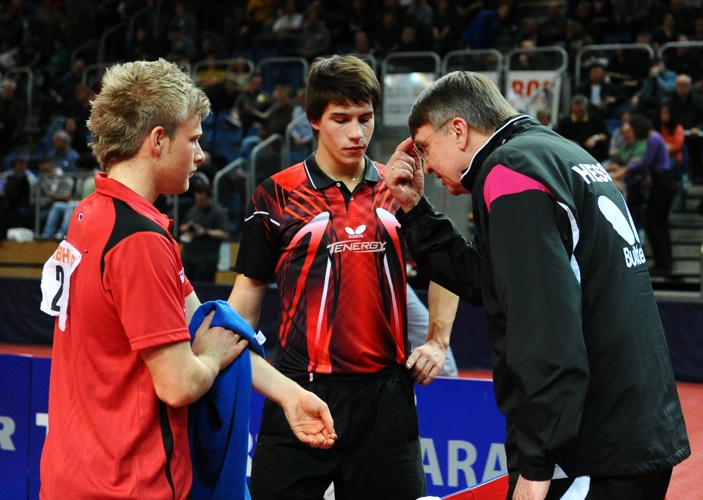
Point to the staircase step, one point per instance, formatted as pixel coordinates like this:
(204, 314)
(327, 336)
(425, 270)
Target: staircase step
(686, 235)
(690, 219)
(690, 252)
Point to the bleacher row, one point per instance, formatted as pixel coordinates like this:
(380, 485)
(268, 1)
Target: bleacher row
(552, 64)
(546, 80)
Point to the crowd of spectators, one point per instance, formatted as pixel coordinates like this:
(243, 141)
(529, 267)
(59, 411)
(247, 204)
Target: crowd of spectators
(55, 41)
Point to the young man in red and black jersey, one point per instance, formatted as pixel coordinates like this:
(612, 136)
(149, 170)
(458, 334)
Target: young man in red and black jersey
(325, 230)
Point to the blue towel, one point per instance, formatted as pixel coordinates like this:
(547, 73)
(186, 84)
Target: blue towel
(218, 423)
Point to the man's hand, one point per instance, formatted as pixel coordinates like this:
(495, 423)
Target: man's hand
(426, 362)
(531, 490)
(309, 419)
(404, 176)
(217, 346)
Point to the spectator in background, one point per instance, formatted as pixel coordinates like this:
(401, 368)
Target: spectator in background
(581, 13)
(632, 16)
(635, 188)
(54, 185)
(486, 29)
(358, 18)
(661, 194)
(16, 209)
(141, 46)
(446, 28)
(630, 67)
(362, 45)
(685, 60)
(528, 59)
(544, 116)
(386, 36)
(181, 47)
(12, 20)
(202, 232)
(274, 120)
(552, 29)
(211, 77)
(30, 53)
(671, 130)
(237, 32)
(616, 137)
(78, 107)
(62, 154)
(575, 38)
(396, 7)
(665, 32)
(79, 139)
(603, 94)
(60, 97)
(59, 215)
(420, 15)
(530, 30)
(248, 106)
(210, 47)
(687, 106)
(697, 35)
(584, 126)
(238, 74)
(656, 88)
(409, 40)
(683, 13)
(59, 61)
(261, 14)
(285, 31)
(13, 116)
(314, 39)
(601, 20)
(184, 21)
(301, 132)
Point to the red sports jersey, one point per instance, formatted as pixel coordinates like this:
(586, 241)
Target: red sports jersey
(109, 435)
(339, 263)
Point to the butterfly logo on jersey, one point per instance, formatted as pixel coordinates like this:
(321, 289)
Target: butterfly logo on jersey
(356, 233)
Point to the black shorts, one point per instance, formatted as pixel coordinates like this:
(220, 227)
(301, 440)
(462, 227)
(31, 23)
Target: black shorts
(377, 454)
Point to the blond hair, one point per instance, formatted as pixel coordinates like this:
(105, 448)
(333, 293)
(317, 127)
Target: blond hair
(134, 98)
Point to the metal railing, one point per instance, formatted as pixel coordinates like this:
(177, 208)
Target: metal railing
(291, 70)
(254, 161)
(102, 47)
(288, 140)
(28, 74)
(605, 48)
(489, 62)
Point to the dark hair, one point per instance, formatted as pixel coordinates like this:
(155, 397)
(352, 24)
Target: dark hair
(345, 79)
(641, 126)
(202, 187)
(671, 125)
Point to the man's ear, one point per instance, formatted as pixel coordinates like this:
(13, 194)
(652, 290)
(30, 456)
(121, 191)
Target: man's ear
(315, 125)
(157, 138)
(461, 130)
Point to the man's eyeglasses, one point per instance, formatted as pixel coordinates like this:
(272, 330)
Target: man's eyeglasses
(420, 148)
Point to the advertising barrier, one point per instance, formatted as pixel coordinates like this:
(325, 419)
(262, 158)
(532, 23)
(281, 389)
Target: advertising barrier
(460, 427)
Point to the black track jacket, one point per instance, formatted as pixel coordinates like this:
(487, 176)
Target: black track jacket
(582, 371)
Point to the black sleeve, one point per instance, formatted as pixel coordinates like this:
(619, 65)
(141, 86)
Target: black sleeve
(441, 252)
